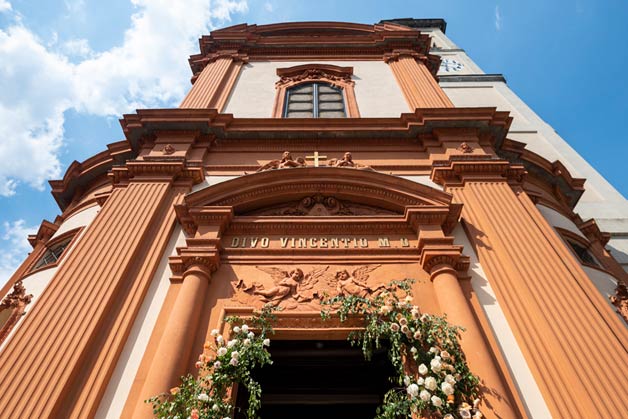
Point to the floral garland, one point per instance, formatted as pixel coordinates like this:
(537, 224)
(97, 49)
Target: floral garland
(221, 365)
(432, 377)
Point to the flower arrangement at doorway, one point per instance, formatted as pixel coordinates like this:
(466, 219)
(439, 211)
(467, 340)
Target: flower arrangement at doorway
(432, 377)
(222, 364)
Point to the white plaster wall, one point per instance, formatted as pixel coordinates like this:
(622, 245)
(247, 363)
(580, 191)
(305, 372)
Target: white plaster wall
(120, 383)
(79, 219)
(423, 180)
(211, 180)
(556, 219)
(376, 90)
(520, 371)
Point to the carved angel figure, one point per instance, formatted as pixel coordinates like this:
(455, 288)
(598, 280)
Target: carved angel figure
(286, 162)
(347, 161)
(356, 283)
(293, 284)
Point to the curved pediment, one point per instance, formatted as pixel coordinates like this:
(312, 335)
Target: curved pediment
(340, 191)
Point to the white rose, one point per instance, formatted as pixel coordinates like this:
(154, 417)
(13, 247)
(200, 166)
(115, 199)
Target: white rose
(433, 350)
(406, 381)
(404, 329)
(417, 335)
(447, 388)
(222, 351)
(232, 343)
(435, 365)
(394, 327)
(424, 395)
(246, 342)
(215, 407)
(448, 416)
(436, 401)
(245, 328)
(413, 390)
(408, 299)
(235, 354)
(444, 354)
(203, 397)
(217, 364)
(236, 329)
(214, 332)
(420, 381)
(403, 321)
(425, 317)
(233, 361)
(450, 379)
(422, 369)
(266, 342)
(251, 335)
(477, 415)
(220, 339)
(430, 383)
(413, 350)
(464, 413)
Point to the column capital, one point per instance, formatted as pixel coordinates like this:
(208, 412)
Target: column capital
(202, 260)
(460, 169)
(168, 169)
(435, 258)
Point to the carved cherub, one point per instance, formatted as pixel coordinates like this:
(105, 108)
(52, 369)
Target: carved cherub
(356, 283)
(294, 284)
(286, 162)
(347, 161)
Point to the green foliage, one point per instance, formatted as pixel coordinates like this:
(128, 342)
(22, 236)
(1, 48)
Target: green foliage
(221, 365)
(432, 377)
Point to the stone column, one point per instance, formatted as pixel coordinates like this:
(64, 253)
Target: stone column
(440, 263)
(175, 345)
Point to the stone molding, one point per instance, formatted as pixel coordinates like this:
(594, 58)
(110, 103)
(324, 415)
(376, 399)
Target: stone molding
(461, 169)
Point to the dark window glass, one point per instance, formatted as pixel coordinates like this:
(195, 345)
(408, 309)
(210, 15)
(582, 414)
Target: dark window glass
(52, 254)
(314, 100)
(583, 254)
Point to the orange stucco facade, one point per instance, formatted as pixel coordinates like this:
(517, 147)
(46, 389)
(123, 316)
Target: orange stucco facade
(414, 180)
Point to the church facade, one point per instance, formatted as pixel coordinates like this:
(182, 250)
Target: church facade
(313, 159)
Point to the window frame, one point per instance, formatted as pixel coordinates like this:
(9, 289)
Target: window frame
(338, 77)
(315, 100)
(72, 235)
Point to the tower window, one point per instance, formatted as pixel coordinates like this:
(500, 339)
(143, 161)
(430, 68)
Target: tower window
(314, 100)
(583, 253)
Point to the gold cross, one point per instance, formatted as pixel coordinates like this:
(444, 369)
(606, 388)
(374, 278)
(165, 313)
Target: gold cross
(316, 158)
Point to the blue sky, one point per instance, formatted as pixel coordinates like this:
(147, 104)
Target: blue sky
(70, 68)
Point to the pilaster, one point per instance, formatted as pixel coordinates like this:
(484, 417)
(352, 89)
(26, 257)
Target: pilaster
(417, 83)
(568, 334)
(214, 83)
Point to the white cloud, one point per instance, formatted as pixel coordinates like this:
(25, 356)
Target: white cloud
(498, 18)
(39, 84)
(15, 247)
(5, 6)
(268, 7)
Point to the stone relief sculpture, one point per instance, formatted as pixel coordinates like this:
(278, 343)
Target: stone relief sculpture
(356, 282)
(347, 161)
(295, 288)
(322, 205)
(286, 161)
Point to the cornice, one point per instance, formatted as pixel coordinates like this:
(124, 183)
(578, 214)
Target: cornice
(79, 175)
(487, 121)
(565, 186)
(460, 169)
(44, 233)
(312, 40)
(157, 170)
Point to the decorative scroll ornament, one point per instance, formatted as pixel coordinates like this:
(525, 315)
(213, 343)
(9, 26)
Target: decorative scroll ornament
(347, 162)
(321, 205)
(620, 301)
(337, 79)
(293, 288)
(465, 148)
(17, 298)
(286, 162)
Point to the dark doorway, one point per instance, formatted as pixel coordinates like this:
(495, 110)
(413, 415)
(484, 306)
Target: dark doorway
(320, 379)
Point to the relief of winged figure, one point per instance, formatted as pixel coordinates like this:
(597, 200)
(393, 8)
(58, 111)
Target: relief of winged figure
(292, 284)
(356, 283)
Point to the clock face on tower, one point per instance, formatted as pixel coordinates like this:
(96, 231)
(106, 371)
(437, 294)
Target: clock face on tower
(449, 64)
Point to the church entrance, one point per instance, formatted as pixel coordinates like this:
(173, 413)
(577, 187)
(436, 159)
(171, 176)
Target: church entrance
(320, 379)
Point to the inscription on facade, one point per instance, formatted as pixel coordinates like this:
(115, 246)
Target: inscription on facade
(316, 242)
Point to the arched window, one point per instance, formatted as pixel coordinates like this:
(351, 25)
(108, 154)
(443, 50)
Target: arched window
(314, 100)
(315, 91)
